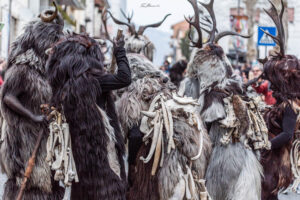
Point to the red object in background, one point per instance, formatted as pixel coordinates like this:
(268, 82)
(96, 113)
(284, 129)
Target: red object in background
(1, 81)
(263, 88)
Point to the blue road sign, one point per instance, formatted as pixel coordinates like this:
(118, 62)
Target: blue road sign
(264, 39)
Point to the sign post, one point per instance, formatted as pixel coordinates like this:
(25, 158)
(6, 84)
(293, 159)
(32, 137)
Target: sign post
(265, 40)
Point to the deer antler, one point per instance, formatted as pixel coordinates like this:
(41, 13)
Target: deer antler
(225, 33)
(213, 37)
(128, 17)
(277, 19)
(104, 21)
(195, 24)
(130, 26)
(143, 28)
(210, 8)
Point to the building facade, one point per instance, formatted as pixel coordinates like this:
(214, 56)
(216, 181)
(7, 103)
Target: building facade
(228, 18)
(79, 16)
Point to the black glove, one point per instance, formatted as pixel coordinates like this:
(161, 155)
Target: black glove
(288, 128)
(289, 120)
(118, 44)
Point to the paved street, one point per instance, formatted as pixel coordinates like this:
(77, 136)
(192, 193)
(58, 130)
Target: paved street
(2, 181)
(290, 196)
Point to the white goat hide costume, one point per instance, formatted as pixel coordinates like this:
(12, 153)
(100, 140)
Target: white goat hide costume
(167, 181)
(234, 172)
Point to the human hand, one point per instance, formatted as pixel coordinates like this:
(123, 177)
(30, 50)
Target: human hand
(289, 119)
(117, 43)
(39, 118)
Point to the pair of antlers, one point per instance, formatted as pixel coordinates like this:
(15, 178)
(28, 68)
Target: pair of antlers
(131, 26)
(195, 22)
(277, 19)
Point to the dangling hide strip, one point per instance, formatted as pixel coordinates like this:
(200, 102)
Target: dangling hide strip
(59, 153)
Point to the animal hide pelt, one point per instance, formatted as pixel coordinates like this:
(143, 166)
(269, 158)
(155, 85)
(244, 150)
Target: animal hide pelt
(97, 144)
(234, 171)
(176, 72)
(26, 80)
(141, 67)
(234, 168)
(140, 45)
(20, 134)
(165, 178)
(277, 163)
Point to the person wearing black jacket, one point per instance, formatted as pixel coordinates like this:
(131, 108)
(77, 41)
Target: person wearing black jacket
(288, 128)
(82, 92)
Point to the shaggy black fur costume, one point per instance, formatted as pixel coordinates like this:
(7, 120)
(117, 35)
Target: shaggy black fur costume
(284, 76)
(79, 83)
(176, 72)
(24, 90)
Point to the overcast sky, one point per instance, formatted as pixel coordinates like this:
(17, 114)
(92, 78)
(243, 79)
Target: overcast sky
(144, 13)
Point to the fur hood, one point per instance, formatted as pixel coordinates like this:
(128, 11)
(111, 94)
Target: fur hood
(140, 44)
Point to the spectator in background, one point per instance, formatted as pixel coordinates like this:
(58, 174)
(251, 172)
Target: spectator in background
(2, 67)
(245, 72)
(166, 67)
(262, 86)
(177, 72)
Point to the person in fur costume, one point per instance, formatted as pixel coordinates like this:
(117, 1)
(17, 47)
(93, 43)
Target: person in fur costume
(140, 50)
(137, 42)
(234, 171)
(176, 72)
(140, 55)
(173, 154)
(24, 90)
(81, 91)
(283, 72)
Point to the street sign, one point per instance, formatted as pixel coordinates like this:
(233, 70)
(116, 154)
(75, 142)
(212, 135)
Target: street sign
(264, 39)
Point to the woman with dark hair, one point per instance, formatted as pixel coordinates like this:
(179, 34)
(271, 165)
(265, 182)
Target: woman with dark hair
(81, 91)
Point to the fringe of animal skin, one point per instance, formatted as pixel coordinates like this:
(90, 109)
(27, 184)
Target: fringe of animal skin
(60, 156)
(295, 153)
(251, 125)
(160, 115)
(59, 153)
(295, 162)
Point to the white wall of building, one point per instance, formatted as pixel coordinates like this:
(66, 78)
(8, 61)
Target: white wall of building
(22, 11)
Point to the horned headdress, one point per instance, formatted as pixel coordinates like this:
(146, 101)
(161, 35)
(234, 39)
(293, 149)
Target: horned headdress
(209, 65)
(283, 71)
(137, 42)
(214, 36)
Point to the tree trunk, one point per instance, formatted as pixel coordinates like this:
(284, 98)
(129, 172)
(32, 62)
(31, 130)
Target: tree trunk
(251, 12)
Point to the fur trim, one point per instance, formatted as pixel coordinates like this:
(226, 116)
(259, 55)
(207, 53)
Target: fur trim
(187, 139)
(92, 134)
(20, 132)
(11, 192)
(141, 45)
(233, 171)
